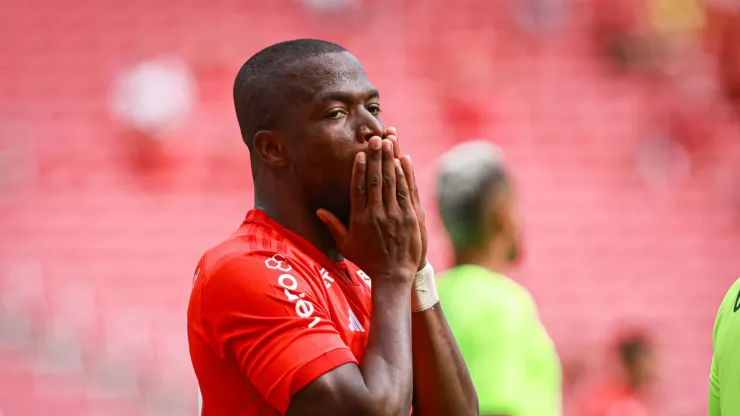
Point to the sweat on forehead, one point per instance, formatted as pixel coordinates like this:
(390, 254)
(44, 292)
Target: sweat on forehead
(307, 77)
(283, 73)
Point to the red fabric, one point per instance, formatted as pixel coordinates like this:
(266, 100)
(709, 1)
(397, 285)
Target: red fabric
(614, 400)
(268, 314)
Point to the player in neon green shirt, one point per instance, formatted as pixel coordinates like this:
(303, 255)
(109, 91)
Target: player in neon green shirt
(724, 378)
(510, 356)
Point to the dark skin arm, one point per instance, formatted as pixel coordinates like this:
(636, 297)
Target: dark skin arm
(384, 239)
(442, 383)
(382, 384)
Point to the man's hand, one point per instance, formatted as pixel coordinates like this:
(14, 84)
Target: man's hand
(442, 383)
(384, 237)
(408, 168)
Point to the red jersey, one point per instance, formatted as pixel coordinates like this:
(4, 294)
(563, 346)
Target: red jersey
(614, 400)
(268, 314)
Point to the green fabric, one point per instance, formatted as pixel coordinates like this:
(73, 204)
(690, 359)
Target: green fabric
(510, 356)
(724, 377)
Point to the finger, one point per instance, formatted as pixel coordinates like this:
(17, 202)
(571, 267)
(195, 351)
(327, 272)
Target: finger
(374, 178)
(396, 146)
(391, 131)
(358, 193)
(389, 176)
(408, 170)
(336, 228)
(403, 194)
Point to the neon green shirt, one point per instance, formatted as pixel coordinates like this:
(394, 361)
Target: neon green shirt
(724, 378)
(510, 356)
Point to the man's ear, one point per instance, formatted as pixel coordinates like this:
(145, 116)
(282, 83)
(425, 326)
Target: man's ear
(269, 146)
(496, 215)
(506, 211)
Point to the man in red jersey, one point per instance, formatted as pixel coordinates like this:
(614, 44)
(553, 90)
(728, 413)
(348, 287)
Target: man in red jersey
(630, 393)
(311, 306)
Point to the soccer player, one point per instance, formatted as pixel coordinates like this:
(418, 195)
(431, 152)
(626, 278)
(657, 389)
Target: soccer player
(311, 306)
(724, 378)
(630, 392)
(511, 358)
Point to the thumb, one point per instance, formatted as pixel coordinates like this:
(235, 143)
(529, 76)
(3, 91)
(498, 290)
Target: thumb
(336, 228)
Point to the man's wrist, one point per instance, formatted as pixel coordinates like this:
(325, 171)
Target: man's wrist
(423, 264)
(393, 280)
(424, 290)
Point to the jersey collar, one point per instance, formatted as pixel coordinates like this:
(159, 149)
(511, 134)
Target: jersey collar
(340, 270)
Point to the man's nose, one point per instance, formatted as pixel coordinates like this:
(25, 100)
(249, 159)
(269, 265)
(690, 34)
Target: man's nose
(369, 126)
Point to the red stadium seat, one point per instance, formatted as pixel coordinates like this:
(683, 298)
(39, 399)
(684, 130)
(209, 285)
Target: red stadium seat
(116, 249)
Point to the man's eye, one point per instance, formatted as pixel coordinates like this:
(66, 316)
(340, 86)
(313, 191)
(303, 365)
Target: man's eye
(335, 114)
(374, 109)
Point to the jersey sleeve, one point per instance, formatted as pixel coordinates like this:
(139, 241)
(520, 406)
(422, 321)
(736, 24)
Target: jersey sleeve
(264, 314)
(714, 407)
(714, 383)
(714, 403)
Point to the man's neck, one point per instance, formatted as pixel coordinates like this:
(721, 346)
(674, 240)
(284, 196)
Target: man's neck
(304, 224)
(492, 257)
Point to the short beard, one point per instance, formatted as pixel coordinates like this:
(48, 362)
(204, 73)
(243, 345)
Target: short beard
(343, 214)
(340, 210)
(513, 254)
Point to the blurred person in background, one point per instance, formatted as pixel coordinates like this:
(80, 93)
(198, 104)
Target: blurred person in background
(629, 393)
(510, 355)
(722, 37)
(279, 320)
(620, 34)
(724, 378)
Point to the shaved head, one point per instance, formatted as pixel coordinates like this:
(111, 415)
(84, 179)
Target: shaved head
(275, 76)
(305, 109)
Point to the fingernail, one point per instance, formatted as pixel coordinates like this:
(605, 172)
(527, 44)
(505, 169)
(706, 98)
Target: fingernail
(387, 145)
(398, 163)
(361, 157)
(408, 157)
(375, 143)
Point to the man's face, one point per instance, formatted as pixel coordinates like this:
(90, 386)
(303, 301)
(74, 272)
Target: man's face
(511, 221)
(644, 371)
(337, 114)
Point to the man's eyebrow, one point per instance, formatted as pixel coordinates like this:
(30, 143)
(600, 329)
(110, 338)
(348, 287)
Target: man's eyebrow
(346, 96)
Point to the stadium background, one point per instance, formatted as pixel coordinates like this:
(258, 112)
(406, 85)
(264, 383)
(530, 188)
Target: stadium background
(120, 162)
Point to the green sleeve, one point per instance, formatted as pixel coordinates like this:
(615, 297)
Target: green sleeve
(714, 407)
(714, 387)
(496, 360)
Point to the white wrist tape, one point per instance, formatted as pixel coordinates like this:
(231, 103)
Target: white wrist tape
(424, 292)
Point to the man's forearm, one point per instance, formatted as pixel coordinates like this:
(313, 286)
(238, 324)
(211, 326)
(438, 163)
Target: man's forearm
(387, 365)
(442, 382)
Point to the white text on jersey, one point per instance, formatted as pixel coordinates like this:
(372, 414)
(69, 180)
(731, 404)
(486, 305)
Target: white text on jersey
(304, 308)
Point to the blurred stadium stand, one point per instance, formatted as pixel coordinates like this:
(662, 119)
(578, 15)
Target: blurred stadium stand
(101, 225)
